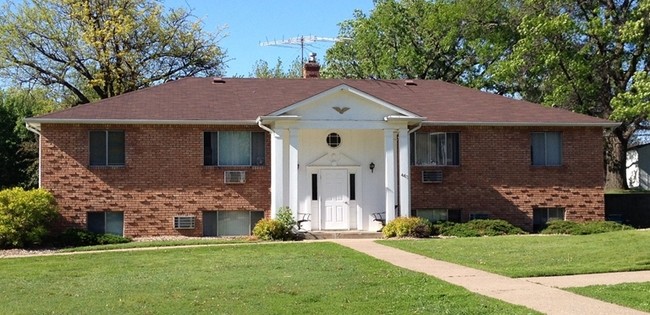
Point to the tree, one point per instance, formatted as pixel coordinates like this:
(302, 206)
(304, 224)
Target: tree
(587, 56)
(18, 146)
(94, 49)
(261, 69)
(446, 40)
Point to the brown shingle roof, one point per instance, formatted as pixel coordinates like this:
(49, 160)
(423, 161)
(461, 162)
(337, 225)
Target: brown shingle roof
(199, 99)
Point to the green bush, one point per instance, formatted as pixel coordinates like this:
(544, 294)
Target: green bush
(583, 228)
(25, 216)
(560, 227)
(80, 237)
(408, 227)
(104, 239)
(285, 216)
(476, 228)
(269, 230)
(280, 228)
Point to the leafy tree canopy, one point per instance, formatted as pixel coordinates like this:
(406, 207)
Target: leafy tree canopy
(419, 39)
(94, 49)
(261, 69)
(18, 146)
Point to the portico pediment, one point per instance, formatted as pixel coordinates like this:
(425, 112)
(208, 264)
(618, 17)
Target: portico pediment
(333, 159)
(344, 103)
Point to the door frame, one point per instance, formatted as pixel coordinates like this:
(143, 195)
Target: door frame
(352, 204)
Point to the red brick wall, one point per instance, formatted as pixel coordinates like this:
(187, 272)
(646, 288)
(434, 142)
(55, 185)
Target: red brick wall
(495, 176)
(163, 177)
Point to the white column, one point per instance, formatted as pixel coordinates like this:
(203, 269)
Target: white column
(293, 171)
(389, 174)
(277, 172)
(404, 174)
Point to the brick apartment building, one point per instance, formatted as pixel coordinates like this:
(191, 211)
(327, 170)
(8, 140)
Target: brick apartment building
(211, 156)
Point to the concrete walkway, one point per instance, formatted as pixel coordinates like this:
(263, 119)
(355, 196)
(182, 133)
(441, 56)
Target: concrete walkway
(538, 295)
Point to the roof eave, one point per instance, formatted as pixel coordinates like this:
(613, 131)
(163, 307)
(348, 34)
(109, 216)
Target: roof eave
(39, 121)
(609, 124)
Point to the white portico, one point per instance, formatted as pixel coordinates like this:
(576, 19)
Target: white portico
(341, 155)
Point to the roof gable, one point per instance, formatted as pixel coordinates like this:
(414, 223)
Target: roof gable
(343, 102)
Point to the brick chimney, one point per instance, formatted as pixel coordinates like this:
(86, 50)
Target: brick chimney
(311, 69)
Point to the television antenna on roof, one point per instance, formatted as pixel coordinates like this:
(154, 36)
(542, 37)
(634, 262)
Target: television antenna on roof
(300, 40)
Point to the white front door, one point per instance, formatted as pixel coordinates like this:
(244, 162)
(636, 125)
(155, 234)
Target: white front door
(335, 200)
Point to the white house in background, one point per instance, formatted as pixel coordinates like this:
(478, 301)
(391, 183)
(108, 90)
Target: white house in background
(638, 167)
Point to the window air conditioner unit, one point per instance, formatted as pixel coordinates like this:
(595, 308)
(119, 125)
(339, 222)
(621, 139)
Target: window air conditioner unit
(234, 177)
(432, 176)
(184, 222)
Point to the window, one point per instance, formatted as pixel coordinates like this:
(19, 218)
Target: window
(230, 223)
(233, 148)
(333, 140)
(541, 216)
(438, 148)
(436, 215)
(314, 186)
(108, 222)
(107, 147)
(353, 187)
(546, 148)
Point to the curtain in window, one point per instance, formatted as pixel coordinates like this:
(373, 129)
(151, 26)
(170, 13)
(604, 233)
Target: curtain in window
(422, 149)
(115, 148)
(538, 151)
(97, 148)
(452, 149)
(234, 148)
(231, 223)
(257, 150)
(115, 223)
(438, 149)
(546, 148)
(210, 148)
(95, 222)
(553, 148)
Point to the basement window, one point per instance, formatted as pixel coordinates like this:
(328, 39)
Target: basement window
(106, 222)
(542, 216)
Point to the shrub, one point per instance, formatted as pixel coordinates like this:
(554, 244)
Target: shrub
(25, 216)
(583, 228)
(79, 237)
(477, 228)
(269, 230)
(285, 216)
(560, 227)
(104, 239)
(280, 228)
(408, 227)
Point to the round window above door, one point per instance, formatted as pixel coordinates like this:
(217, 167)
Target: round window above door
(333, 140)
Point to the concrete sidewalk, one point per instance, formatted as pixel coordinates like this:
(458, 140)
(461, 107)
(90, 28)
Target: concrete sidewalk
(526, 292)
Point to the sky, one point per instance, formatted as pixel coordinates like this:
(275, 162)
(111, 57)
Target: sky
(247, 23)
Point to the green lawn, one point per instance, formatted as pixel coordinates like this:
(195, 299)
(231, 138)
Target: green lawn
(193, 241)
(634, 295)
(538, 255)
(276, 278)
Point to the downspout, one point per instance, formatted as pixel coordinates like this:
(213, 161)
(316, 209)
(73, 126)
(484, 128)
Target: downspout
(259, 123)
(37, 132)
(416, 128)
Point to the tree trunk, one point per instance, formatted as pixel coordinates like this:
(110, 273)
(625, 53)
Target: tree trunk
(615, 158)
